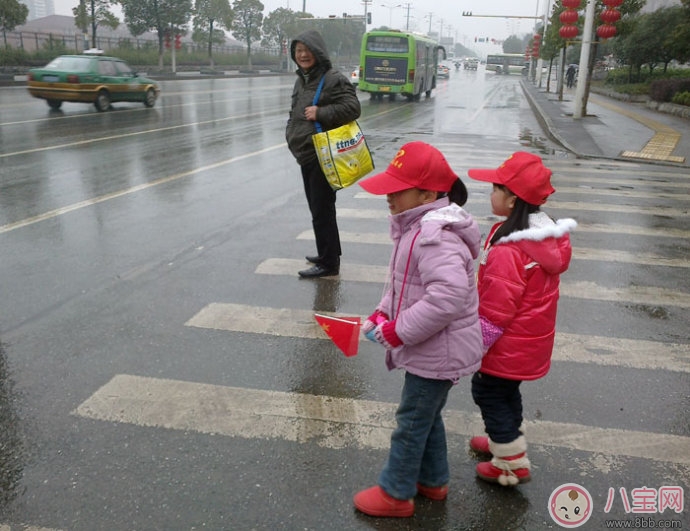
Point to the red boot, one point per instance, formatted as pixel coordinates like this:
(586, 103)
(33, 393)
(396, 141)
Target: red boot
(375, 502)
(480, 445)
(433, 493)
(509, 466)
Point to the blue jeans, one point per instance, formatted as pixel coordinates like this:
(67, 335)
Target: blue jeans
(500, 402)
(418, 445)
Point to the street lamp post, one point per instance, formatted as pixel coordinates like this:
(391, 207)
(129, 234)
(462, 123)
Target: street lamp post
(390, 13)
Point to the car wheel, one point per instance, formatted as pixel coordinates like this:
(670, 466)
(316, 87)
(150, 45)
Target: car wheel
(54, 104)
(102, 102)
(150, 99)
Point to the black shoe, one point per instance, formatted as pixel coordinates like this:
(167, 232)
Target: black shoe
(319, 270)
(314, 259)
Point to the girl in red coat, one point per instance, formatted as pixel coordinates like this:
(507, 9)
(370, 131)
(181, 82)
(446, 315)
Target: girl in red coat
(518, 278)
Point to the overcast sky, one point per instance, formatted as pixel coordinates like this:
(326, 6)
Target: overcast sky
(445, 16)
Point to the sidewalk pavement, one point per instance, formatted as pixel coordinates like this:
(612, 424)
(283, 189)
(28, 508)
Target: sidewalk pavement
(612, 129)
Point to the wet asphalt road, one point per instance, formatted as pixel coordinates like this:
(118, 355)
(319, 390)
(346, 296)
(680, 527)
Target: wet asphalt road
(118, 228)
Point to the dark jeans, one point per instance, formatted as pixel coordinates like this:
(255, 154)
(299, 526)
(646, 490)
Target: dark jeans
(418, 445)
(500, 402)
(321, 200)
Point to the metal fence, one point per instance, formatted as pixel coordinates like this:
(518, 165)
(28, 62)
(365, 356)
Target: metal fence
(32, 42)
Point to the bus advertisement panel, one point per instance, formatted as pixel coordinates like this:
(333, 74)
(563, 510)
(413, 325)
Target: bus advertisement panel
(393, 62)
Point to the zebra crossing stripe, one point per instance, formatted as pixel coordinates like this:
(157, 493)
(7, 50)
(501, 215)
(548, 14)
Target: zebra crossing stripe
(331, 422)
(634, 230)
(579, 253)
(619, 352)
(645, 295)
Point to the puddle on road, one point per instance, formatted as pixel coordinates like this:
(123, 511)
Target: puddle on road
(530, 139)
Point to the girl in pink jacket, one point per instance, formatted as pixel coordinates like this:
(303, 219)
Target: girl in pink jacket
(519, 275)
(427, 320)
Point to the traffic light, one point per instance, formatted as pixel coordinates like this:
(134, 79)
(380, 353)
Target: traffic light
(369, 17)
(178, 41)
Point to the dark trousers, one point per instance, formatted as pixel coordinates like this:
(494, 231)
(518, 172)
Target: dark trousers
(500, 402)
(321, 200)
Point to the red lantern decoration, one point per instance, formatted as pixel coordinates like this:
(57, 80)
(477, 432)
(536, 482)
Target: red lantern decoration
(571, 4)
(606, 31)
(610, 16)
(612, 3)
(569, 16)
(568, 32)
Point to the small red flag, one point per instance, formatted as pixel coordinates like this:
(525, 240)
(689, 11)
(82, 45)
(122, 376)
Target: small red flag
(343, 331)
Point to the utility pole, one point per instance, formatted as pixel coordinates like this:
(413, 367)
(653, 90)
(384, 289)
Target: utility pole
(582, 81)
(540, 61)
(93, 24)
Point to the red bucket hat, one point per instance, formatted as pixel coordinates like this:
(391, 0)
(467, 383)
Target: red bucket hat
(524, 174)
(416, 165)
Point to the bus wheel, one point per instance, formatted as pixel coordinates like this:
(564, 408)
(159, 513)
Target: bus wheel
(428, 94)
(418, 96)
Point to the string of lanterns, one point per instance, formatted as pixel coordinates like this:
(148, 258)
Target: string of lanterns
(568, 18)
(609, 17)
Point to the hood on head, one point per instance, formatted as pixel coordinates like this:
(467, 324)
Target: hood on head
(545, 241)
(314, 41)
(454, 218)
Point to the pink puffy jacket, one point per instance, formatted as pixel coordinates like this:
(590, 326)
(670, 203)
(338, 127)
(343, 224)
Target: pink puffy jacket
(432, 293)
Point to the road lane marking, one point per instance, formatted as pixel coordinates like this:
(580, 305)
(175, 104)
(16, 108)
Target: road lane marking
(331, 422)
(132, 134)
(643, 295)
(579, 253)
(8, 527)
(660, 232)
(610, 351)
(114, 195)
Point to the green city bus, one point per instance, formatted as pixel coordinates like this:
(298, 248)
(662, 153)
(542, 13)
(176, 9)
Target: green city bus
(394, 62)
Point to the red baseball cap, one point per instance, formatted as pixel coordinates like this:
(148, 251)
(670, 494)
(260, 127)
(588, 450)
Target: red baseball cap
(415, 165)
(524, 174)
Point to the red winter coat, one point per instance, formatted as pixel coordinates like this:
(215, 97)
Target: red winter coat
(518, 283)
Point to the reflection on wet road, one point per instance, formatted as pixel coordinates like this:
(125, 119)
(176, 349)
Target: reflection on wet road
(159, 366)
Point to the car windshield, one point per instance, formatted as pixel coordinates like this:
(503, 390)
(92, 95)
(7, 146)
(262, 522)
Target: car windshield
(71, 64)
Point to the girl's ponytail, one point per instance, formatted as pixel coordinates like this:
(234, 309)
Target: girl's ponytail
(458, 193)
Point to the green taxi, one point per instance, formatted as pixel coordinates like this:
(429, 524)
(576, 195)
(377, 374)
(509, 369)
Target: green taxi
(90, 78)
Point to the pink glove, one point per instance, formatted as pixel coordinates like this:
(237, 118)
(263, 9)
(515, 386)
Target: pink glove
(373, 321)
(490, 332)
(386, 336)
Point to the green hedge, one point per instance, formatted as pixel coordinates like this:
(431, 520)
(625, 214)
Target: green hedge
(659, 86)
(682, 98)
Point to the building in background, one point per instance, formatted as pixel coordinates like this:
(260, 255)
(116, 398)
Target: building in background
(39, 8)
(653, 5)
